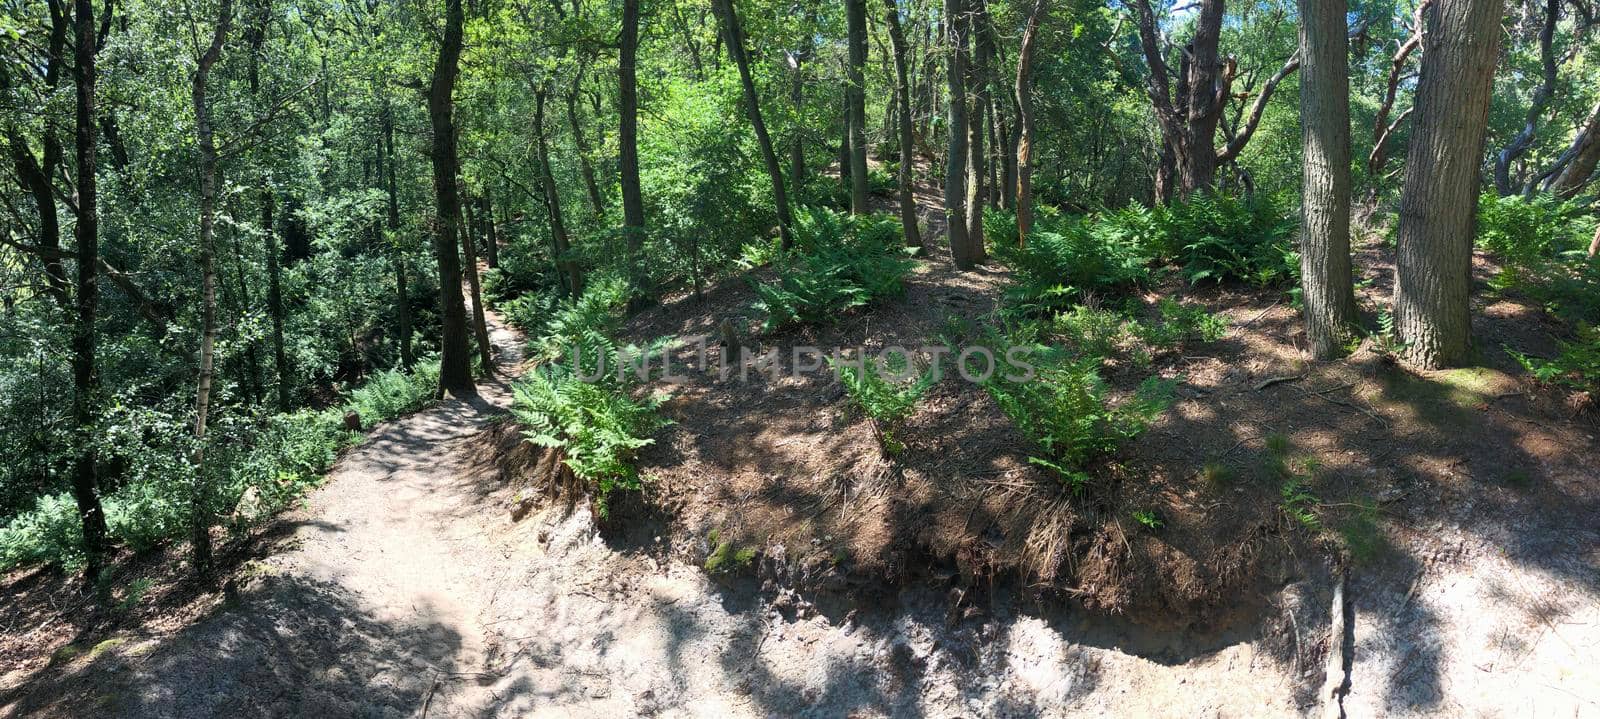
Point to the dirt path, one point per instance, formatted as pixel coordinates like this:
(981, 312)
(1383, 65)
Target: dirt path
(402, 589)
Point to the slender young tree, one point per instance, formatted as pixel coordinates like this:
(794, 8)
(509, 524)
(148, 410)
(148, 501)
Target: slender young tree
(955, 170)
(455, 357)
(1438, 206)
(571, 275)
(908, 150)
(1030, 39)
(480, 325)
(1328, 292)
(402, 293)
(86, 235)
(628, 137)
(206, 143)
(855, 102)
(733, 32)
(978, 125)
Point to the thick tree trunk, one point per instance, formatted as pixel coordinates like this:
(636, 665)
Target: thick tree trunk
(628, 139)
(455, 356)
(1328, 290)
(908, 157)
(200, 500)
(856, 104)
(736, 50)
(1024, 202)
(566, 268)
(955, 171)
(85, 381)
(1438, 204)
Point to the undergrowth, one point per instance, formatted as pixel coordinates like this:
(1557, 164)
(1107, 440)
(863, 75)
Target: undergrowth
(886, 392)
(839, 262)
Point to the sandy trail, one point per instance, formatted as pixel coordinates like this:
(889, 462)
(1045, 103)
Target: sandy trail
(404, 590)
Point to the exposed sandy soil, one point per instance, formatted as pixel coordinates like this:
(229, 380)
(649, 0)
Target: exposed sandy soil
(955, 581)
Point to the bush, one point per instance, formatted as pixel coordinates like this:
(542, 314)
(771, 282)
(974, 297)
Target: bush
(1524, 232)
(49, 533)
(595, 424)
(1577, 366)
(887, 393)
(392, 393)
(599, 310)
(839, 262)
(1222, 238)
(1065, 412)
(1069, 258)
(1101, 333)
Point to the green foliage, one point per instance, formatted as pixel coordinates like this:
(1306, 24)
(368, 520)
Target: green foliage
(1177, 323)
(725, 555)
(590, 416)
(1524, 232)
(599, 310)
(1148, 519)
(1576, 366)
(1102, 333)
(1065, 410)
(1221, 238)
(1069, 258)
(839, 263)
(886, 392)
(392, 393)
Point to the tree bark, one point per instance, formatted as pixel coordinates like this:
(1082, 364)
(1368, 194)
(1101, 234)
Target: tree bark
(797, 102)
(908, 157)
(855, 103)
(1327, 286)
(85, 381)
(628, 139)
(455, 363)
(200, 500)
(737, 51)
(1024, 203)
(1438, 205)
(955, 171)
(491, 232)
(1382, 127)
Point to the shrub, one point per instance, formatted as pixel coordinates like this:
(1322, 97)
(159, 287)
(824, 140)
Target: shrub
(50, 532)
(1070, 258)
(1177, 323)
(880, 392)
(596, 424)
(1577, 366)
(1523, 232)
(1065, 411)
(1221, 238)
(839, 263)
(394, 392)
(599, 310)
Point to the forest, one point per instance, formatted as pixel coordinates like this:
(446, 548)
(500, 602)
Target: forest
(1308, 294)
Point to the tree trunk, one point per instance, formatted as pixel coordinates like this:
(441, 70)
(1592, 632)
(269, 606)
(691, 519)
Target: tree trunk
(256, 34)
(1581, 159)
(797, 102)
(1519, 145)
(200, 500)
(571, 276)
(455, 363)
(85, 381)
(596, 203)
(955, 171)
(1328, 289)
(855, 94)
(977, 128)
(480, 327)
(908, 157)
(628, 138)
(736, 50)
(1024, 203)
(491, 232)
(408, 357)
(1438, 205)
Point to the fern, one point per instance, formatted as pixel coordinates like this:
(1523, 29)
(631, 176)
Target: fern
(888, 402)
(839, 263)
